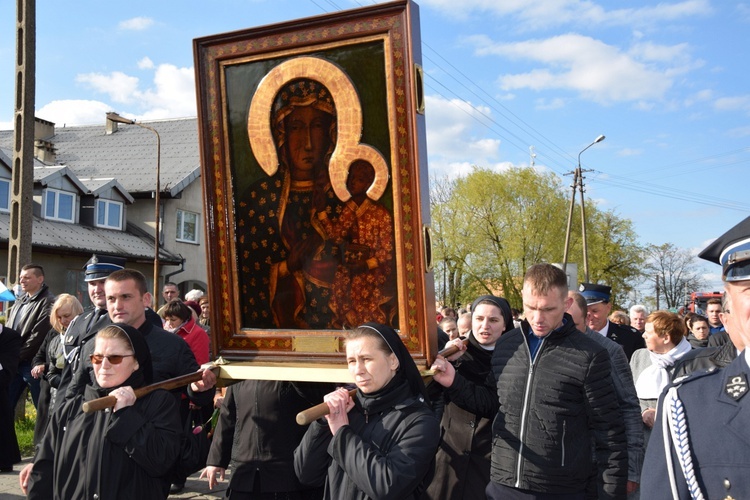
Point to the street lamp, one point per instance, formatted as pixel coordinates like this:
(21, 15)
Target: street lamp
(120, 119)
(578, 184)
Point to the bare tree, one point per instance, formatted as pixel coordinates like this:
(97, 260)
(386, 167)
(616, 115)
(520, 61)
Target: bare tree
(676, 270)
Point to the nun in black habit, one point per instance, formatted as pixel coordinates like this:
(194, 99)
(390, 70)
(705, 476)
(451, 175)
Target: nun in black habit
(381, 443)
(119, 453)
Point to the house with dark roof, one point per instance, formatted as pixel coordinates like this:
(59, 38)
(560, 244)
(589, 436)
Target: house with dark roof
(94, 192)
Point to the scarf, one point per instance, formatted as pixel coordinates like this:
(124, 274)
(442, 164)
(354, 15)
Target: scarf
(655, 378)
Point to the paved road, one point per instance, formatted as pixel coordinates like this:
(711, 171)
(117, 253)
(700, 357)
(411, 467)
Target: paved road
(195, 489)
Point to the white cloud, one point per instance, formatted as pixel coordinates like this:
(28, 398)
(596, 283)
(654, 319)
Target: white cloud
(136, 24)
(145, 63)
(597, 71)
(117, 85)
(171, 95)
(629, 152)
(453, 142)
(550, 104)
(741, 102)
(74, 112)
(701, 96)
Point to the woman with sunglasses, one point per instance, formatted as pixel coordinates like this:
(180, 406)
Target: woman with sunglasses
(381, 443)
(122, 452)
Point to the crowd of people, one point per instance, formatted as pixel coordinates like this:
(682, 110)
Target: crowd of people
(562, 399)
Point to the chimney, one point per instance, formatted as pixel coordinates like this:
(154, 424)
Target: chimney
(110, 126)
(45, 151)
(43, 129)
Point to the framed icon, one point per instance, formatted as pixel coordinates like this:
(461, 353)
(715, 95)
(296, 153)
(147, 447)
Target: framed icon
(315, 184)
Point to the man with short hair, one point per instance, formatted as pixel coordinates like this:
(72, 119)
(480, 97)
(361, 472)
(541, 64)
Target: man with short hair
(29, 316)
(127, 300)
(687, 458)
(170, 291)
(552, 399)
(713, 313)
(598, 300)
(638, 314)
(85, 326)
(464, 324)
(624, 386)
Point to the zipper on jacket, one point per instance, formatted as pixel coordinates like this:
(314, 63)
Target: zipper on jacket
(565, 430)
(525, 409)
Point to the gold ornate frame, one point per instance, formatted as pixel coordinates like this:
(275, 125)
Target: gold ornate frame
(237, 76)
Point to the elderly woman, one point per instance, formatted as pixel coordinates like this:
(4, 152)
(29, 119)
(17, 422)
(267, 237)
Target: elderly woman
(50, 361)
(665, 345)
(122, 452)
(381, 443)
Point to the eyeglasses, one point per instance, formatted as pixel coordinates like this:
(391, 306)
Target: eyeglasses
(114, 359)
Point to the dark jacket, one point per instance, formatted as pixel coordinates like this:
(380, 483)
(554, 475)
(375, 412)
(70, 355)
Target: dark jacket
(714, 424)
(35, 324)
(719, 339)
(550, 412)
(81, 330)
(385, 452)
(627, 398)
(10, 347)
(704, 359)
(50, 355)
(263, 413)
(462, 463)
(115, 455)
(628, 337)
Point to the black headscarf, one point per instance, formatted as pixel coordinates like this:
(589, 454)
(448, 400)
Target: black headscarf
(144, 375)
(499, 302)
(407, 368)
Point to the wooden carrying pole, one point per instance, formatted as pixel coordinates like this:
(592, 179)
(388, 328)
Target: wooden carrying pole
(169, 384)
(321, 410)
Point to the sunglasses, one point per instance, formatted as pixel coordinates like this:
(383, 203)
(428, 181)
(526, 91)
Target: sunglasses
(114, 359)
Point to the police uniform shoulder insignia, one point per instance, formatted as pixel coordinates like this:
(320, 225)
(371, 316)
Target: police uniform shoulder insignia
(737, 386)
(581, 288)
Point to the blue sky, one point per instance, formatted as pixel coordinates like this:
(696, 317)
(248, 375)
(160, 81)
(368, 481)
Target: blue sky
(665, 81)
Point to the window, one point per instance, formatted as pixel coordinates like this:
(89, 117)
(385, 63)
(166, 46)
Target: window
(59, 205)
(109, 214)
(187, 226)
(4, 195)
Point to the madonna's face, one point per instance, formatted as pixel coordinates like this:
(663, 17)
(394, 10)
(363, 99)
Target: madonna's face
(307, 140)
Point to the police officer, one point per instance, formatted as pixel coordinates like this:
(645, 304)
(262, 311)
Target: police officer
(85, 326)
(597, 299)
(699, 444)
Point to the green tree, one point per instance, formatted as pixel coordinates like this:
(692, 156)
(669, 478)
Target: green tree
(490, 226)
(615, 259)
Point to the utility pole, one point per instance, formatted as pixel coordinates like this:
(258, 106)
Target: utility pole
(22, 177)
(578, 185)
